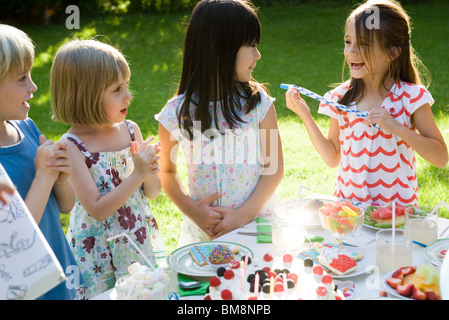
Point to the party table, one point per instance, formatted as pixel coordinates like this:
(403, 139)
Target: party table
(368, 280)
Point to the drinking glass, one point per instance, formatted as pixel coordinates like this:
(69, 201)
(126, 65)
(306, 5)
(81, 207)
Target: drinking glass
(422, 224)
(392, 255)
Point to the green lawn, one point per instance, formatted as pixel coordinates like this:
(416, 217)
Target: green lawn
(301, 44)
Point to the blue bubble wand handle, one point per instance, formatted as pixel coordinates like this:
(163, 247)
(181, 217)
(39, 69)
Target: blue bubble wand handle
(326, 101)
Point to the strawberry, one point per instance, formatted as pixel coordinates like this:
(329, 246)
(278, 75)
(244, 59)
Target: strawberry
(405, 289)
(408, 270)
(398, 274)
(394, 282)
(431, 295)
(418, 294)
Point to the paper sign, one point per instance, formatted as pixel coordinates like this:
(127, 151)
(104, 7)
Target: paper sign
(28, 266)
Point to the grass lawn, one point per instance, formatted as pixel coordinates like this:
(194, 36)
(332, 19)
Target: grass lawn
(301, 44)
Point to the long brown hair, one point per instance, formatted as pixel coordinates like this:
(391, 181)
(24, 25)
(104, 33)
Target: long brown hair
(216, 31)
(393, 31)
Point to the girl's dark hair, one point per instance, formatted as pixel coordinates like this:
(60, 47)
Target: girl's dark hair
(393, 31)
(216, 31)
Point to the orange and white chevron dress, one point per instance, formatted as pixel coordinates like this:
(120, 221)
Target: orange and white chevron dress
(377, 166)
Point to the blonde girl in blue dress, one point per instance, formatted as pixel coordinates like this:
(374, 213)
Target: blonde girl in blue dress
(114, 170)
(225, 123)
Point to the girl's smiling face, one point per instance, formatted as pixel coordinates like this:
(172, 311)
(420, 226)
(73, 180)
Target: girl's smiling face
(366, 59)
(116, 100)
(15, 92)
(247, 57)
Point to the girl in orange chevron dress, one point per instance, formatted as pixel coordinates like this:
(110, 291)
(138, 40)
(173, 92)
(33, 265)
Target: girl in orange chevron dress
(377, 165)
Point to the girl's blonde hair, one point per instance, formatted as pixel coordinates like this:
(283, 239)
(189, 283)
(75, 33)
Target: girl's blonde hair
(81, 72)
(16, 52)
(393, 32)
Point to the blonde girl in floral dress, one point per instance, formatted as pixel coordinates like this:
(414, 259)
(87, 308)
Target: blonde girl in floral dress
(114, 170)
(225, 123)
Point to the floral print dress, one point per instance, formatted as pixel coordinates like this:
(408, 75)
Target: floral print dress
(103, 262)
(228, 162)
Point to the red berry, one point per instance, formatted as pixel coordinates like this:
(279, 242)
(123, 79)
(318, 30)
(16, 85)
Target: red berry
(252, 298)
(317, 270)
(397, 274)
(228, 275)
(418, 294)
(226, 294)
(431, 295)
(407, 270)
(214, 282)
(266, 269)
(293, 276)
(267, 257)
(394, 282)
(287, 258)
(207, 297)
(279, 287)
(321, 291)
(405, 290)
(327, 279)
(235, 264)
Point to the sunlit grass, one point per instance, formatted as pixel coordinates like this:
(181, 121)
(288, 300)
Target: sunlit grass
(301, 44)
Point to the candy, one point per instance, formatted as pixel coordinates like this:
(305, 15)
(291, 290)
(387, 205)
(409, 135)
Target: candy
(214, 282)
(228, 274)
(220, 255)
(226, 294)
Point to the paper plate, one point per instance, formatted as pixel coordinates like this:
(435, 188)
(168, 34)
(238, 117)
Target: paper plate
(182, 261)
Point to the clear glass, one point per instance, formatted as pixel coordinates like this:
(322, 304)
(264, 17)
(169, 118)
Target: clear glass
(392, 255)
(340, 227)
(288, 229)
(422, 224)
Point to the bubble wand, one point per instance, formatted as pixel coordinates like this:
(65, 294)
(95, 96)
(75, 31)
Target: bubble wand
(326, 101)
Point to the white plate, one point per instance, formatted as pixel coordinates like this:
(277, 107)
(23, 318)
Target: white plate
(182, 261)
(362, 265)
(391, 290)
(433, 250)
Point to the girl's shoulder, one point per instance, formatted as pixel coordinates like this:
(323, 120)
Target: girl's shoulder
(413, 94)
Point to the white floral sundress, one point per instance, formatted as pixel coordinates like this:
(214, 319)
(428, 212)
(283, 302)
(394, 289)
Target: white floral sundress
(103, 262)
(229, 163)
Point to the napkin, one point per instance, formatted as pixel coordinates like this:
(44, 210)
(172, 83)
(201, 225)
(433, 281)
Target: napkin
(201, 290)
(264, 238)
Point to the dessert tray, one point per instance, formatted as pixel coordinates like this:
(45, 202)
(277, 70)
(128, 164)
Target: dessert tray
(182, 261)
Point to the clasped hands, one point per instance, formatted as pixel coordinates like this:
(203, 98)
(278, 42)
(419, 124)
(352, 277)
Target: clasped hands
(215, 220)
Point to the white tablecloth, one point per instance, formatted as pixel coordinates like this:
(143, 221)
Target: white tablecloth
(368, 283)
